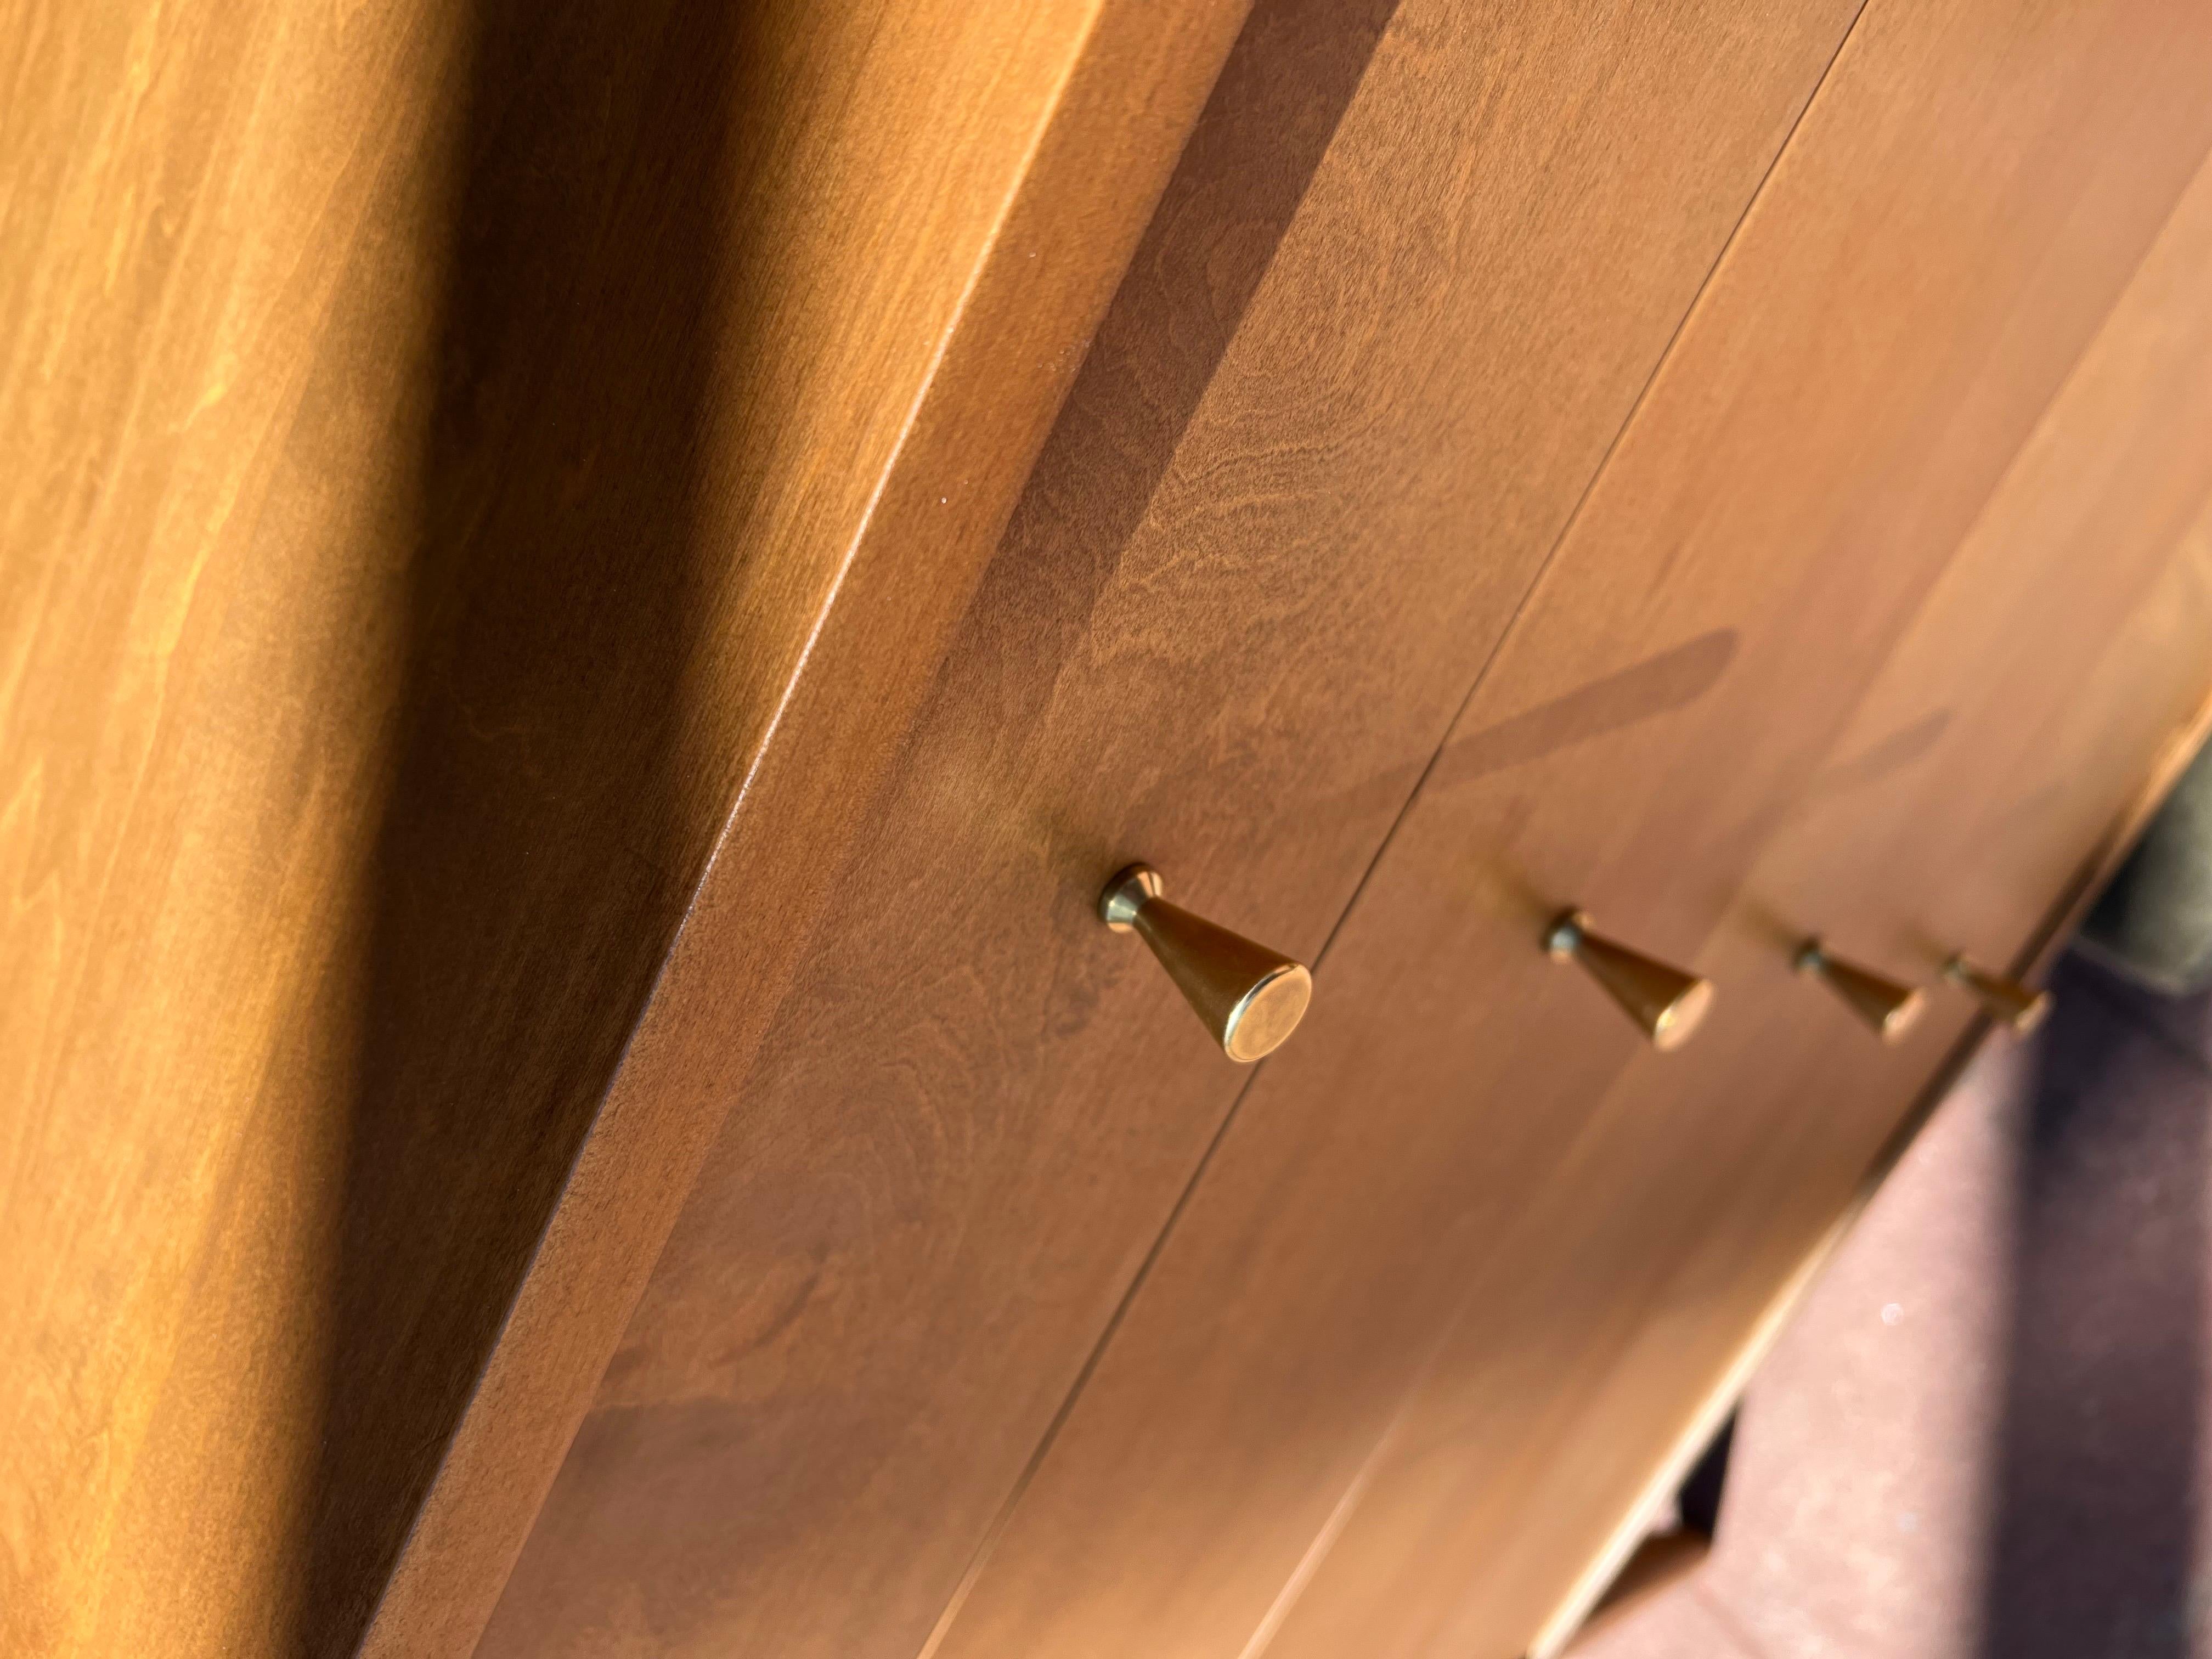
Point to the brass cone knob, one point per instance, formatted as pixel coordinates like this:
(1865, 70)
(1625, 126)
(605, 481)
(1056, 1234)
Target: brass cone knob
(1665, 1002)
(2022, 1007)
(1885, 1004)
(1250, 997)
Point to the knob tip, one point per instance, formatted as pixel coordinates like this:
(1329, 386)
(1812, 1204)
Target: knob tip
(1267, 1013)
(1903, 1017)
(1678, 1021)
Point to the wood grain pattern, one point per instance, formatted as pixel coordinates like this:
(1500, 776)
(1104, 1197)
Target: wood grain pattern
(1638, 1267)
(2063, 646)
(1964, 201)
(1278, 457)
(449, 444)
(2183, 600)
(2069, 634)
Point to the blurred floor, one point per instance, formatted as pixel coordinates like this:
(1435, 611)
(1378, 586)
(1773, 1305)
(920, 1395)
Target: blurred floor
(1981, 1436)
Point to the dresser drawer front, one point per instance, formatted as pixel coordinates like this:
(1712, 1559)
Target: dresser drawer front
(1415, 269)
(1420, 1206)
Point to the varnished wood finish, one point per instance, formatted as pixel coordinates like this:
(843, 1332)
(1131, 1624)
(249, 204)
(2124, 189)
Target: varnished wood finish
(1978, 773)
(492, 488)
(1301, 484)
(1420, 1240)
(449, 449)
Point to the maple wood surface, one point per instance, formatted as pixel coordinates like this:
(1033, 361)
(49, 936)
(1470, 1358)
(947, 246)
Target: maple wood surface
(1967, 197)
(448, 447)
(1396, 305)
(1975, 784)
(493, 486)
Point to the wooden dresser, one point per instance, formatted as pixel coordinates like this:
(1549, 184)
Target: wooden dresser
(590, 601)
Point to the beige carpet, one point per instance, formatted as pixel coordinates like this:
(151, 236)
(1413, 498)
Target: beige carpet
(1980, 1438)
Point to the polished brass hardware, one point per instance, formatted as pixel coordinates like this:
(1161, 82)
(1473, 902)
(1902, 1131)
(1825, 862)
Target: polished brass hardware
(2020, 1007)
(1883, 1003)
(1250, 997)
(1665, 1002)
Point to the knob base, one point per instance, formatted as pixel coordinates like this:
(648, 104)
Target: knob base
(1127, 891)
